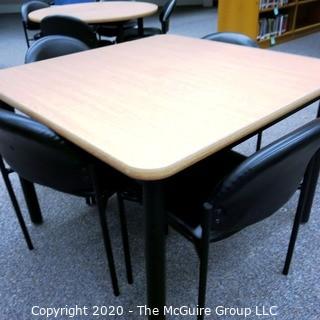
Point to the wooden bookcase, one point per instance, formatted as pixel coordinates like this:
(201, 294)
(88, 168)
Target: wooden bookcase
(300, 17)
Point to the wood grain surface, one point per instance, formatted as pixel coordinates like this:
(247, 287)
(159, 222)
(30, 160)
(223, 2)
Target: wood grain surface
(155, 106)
(98, 12)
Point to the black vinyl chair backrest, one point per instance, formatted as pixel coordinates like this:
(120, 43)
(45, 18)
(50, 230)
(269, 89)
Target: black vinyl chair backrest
(70, 27)
(39, 155)
(53, 46)
(28, 7)
(165, 14)
(265, 181)
(233, 38)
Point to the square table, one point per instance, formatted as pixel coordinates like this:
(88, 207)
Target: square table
(153, 107)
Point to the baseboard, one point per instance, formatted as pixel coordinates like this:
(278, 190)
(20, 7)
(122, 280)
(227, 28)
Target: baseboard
(9, 8)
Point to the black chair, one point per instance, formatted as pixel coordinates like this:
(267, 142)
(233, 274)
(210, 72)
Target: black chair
(71, 27)
(26, 8)
(164, 17)
(53, 46)
(222, 195)
(239, 39)
(43, 48)
(39, 155)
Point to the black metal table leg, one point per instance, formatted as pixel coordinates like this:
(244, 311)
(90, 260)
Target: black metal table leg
(140, 27)
(155, 222)
(31, 201)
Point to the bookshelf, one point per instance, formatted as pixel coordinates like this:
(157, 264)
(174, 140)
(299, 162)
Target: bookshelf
(269, 21)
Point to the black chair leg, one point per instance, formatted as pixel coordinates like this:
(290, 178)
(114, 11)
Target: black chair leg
(15, 204)
(31, 199)
(293, 238)
(125, 238)
(90, 201)
(26, 34)
(300, 214)
(203, 250)
(102, 206)
(203, 254)
(259, 141)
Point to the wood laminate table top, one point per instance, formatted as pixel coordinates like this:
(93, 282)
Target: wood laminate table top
(155, 106)
(98, 12)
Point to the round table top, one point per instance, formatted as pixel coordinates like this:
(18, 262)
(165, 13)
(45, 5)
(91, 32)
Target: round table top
(98, 12)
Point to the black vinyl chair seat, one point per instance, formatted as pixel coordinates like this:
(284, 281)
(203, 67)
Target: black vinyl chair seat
(53, 46)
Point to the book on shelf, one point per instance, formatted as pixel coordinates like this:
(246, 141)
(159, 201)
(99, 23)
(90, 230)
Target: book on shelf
(272, 27)
(268, 4)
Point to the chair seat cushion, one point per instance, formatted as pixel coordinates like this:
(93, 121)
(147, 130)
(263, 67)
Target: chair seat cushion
(133, 34)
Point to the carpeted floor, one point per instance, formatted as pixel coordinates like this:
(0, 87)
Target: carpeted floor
(68, 265)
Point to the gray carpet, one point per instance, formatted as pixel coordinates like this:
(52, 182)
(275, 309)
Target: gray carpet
(68, 265)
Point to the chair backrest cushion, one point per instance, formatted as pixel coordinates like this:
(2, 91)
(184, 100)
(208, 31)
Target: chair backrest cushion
(53, 46)
(233, 38)
(265, 181)
(28, 7)
(70, 27)
(39, 155)
(165, 14)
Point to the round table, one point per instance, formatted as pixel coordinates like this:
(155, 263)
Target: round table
(99, 12)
